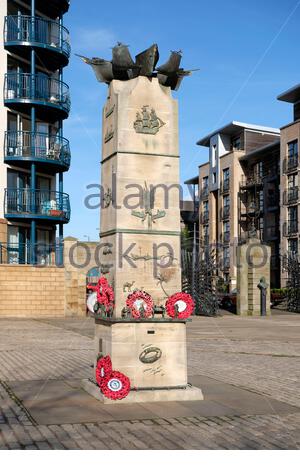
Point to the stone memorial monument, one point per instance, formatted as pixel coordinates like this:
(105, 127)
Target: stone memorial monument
(140, 229)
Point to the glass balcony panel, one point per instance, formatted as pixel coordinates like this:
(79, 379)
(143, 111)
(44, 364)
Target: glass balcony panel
(37, 31)
(37, 146)
(21, 253)
(40, 89)
(42, 204)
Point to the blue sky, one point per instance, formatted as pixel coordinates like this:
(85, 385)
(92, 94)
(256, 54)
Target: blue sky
(248, 53)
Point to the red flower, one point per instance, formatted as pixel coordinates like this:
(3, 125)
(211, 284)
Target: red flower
(180, 305)
(116, 386)
(103, 369)
(105, 294)
(139, 299)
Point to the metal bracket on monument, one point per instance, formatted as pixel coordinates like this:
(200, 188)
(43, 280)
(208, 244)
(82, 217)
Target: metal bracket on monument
(147, 213)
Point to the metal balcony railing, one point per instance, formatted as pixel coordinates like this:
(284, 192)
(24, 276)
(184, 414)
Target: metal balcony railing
(251, 180)
(44, 254)
(204, 217)
(25, 87)
(28, 146)
(290, 228)
(225, 186)
(290, 163)
(225, 237)
(42, 204)
(226, 264)
(20, 29)
(290, 196)
(204, 193)
(225, 212)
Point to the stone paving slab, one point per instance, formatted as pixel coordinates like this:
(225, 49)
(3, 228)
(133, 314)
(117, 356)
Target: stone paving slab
(230, 356)
(59, 402)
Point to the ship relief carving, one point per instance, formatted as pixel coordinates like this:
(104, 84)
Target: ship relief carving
(147, 121)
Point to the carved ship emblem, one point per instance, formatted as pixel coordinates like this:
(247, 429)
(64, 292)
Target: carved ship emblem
(147, 122)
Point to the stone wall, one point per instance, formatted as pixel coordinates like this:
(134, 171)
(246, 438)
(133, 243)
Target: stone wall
(33, 291)
(27, 291)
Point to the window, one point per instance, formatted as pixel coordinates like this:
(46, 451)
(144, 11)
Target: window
(226, 174)
(293, 214)
(292, 181)
(293, 149)
(205, 206)
(214, 178)
(293, 246)
(205, 182)
(236, 143)
(226, 201)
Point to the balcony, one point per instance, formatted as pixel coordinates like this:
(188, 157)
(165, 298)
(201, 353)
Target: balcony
(290, 164)
(52, 9)
(225, 186)
(204, 193)
(50, 206)
(290, 196)
(248, 182)
(225, 264)
(225, 237)
(51, 153)
(225, 212)
(290, 228)
(204, 217)
(50, 97)
(48, 38)
(40, 254)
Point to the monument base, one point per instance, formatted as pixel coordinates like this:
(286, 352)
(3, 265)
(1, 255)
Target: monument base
(189, 393)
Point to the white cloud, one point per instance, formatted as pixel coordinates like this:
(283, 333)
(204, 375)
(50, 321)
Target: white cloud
(92, 40)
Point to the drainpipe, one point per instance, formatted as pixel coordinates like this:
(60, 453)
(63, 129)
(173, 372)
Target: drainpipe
(33, 128)
(61, 227)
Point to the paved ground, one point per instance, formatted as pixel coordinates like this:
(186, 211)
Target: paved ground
(249, 370)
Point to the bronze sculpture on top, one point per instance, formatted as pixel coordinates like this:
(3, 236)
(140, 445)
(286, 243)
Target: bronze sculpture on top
(123, 67)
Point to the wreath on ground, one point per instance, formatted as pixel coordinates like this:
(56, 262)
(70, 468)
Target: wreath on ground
(140, 304)
(116, 386)
(180, 305)
(113, 384)
(103, 369)
(105, 295)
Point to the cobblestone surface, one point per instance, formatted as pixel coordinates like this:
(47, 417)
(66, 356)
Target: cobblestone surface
(262, 355)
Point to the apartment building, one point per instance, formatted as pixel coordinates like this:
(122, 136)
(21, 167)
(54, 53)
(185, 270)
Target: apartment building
(34, 102)
(289, 176)
(223, 189)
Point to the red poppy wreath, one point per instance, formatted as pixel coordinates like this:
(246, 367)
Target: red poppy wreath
(180, 305)
(103, 369)
(140, 304)
(116, 386)
(105, 294)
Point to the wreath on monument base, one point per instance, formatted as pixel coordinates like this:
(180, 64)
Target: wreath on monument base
(105, 296)
(103, 369)
(180, 305)
(140, 304)
(113, 384)
(116, 386)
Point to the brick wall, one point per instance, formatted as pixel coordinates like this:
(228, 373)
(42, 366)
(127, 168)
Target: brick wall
(27, 291)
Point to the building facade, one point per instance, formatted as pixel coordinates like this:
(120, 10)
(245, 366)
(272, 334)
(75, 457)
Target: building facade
(289, 176)
(34, 102)
(225, 191)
